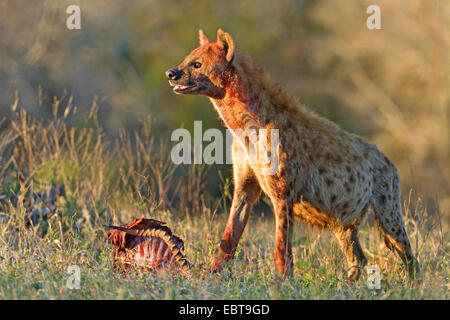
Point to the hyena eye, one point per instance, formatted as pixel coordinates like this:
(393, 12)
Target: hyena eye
(197, 65)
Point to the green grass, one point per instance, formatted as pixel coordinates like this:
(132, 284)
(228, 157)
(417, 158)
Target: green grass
(32, 267)
(127, 181)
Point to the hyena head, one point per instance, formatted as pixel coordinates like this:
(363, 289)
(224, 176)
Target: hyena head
(204, 70)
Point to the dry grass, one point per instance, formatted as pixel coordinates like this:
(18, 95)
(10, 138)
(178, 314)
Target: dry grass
(389, 86)
(132, 177)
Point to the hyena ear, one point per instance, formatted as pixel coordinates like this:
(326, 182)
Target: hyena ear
(201, 36)
(226, 43)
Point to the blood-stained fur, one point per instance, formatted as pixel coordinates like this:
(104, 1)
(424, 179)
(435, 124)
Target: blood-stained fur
(326, 177)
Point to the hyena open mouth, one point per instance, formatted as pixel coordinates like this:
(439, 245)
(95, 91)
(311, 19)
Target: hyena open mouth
(182, 88)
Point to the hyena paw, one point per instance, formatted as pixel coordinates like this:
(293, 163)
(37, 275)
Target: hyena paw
(353, 273)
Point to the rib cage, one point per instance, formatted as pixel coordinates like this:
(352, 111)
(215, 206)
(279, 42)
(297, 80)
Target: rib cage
(147, 244)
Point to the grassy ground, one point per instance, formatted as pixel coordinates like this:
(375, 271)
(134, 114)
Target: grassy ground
(119, 181)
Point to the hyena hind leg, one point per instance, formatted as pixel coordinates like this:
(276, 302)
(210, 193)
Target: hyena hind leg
(394, 235)
(349, 243)
(387, 205)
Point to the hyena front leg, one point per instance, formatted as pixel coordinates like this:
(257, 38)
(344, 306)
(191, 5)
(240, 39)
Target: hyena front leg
(246, 192)
(283, 249)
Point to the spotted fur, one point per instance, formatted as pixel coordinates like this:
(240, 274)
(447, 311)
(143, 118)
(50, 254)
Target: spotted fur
(326, 177)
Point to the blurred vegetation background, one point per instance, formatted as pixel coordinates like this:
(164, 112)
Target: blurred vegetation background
(390, 86)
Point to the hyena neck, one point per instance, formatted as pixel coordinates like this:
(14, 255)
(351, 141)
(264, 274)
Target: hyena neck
(252, 99)
(239, 108)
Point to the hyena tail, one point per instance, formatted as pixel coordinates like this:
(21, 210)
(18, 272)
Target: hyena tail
(386, 202)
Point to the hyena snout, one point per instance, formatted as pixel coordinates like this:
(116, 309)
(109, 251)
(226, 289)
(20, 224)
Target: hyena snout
(174, 74)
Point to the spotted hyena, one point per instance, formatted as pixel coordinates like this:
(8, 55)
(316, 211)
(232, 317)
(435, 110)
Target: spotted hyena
(326, 177)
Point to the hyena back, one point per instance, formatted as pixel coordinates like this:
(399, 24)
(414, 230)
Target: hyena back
(326, 177)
